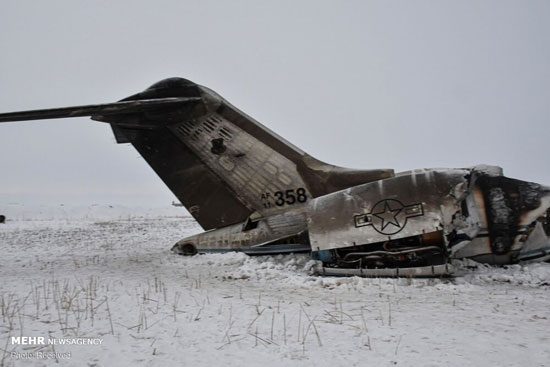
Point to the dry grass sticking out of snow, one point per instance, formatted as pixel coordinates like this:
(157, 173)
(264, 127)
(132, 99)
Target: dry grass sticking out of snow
(116, 279)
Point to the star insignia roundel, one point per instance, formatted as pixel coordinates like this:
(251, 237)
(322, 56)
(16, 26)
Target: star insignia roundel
(389, 216)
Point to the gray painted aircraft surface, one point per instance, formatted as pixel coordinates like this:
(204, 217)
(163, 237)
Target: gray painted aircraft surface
(253, 191)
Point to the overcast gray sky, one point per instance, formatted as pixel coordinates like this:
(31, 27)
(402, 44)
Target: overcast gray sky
(361, 84)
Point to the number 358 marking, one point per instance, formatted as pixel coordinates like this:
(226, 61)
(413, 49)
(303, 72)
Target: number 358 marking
(290, 197)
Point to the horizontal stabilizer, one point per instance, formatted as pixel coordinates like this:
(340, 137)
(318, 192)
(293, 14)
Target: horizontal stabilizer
(99, 109)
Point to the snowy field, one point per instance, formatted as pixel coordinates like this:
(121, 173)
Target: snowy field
(107, 273)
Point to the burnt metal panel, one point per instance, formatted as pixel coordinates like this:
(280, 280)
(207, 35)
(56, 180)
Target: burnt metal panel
(507, 200)
(404, 206)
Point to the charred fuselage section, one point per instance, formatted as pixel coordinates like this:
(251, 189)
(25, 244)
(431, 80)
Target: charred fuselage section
(422, 219)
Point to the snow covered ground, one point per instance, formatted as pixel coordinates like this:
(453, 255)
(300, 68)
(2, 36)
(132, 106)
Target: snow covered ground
(107, 273)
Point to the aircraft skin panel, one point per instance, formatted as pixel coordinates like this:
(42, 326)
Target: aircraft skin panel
(398, 207)
(204, 195)
(241, 161)
(289, 228)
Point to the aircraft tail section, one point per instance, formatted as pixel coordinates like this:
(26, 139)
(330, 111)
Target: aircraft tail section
(249, 168)
(222, 165)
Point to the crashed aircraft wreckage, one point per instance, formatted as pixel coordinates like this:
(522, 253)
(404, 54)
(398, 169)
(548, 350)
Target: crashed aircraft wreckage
(252, 191)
